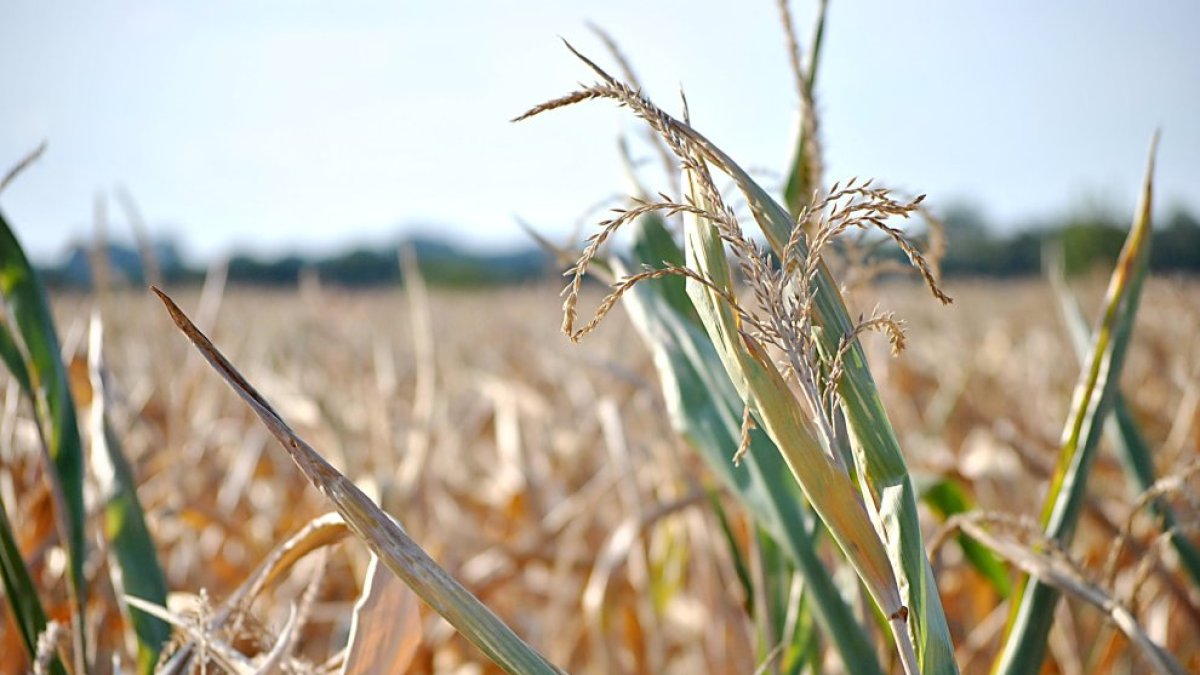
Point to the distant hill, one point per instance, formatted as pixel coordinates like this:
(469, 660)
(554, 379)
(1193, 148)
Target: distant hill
(124, 265)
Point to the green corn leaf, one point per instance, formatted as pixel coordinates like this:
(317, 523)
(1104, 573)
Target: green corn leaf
(45, 379)
(740, 567)
(706, 410)
(653, 245)
(1125, 433)
(11, 354)
(804, 652)
(772, 573)
(947, 498)
(124, 522)
(1033, 607)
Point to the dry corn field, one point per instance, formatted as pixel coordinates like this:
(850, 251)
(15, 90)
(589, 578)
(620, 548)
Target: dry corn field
(547, 477)
(763, 449)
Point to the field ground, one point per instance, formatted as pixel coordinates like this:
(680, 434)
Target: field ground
(546, 476)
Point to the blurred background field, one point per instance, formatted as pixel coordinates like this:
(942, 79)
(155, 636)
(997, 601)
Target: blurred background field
(338, 197)
(541, 458)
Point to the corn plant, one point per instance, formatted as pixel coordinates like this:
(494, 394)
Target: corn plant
(801, 314)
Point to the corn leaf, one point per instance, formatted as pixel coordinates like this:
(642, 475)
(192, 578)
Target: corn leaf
(125, 528)
(1125, 434)
(11, 354)
(652, 246)
(741, 567)
(1033, 607)
(29, 334)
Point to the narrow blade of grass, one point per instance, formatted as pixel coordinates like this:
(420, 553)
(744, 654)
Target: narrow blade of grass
(124, 522)
(30, 333)
(808, 655)
(705, 408)
(378, 530)
(1024, 646)
(773, 571)
(1125, 434)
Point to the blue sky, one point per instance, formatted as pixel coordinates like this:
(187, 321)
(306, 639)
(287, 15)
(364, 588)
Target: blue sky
(304, 125)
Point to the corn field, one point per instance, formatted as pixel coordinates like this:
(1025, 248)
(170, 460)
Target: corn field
(772, 450)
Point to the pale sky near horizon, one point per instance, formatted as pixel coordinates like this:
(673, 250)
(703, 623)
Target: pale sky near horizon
(301, 126)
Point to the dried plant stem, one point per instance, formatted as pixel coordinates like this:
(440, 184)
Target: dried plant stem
(1174, 484)
(1066, 578)
(20, 166)
(379, 531)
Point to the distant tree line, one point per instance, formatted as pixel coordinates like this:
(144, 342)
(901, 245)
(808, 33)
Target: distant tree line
(439, 263)
(1085, 240)
(974, 249)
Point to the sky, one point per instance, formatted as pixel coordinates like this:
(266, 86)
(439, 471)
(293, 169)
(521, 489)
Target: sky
(308, 126)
